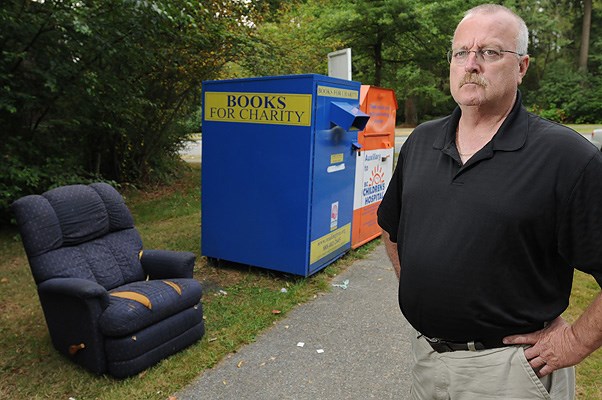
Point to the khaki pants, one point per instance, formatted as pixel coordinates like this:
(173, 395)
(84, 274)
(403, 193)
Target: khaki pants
(502, 374)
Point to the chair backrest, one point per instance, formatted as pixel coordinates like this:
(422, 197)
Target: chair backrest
(80, 231)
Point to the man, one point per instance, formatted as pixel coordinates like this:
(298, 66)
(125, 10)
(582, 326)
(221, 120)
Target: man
(487, 213)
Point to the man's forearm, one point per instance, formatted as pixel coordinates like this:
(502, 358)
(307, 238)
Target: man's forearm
(392, 253)
(588, 328)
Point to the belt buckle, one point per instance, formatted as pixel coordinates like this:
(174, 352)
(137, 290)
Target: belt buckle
(439, 345)
(443, 346)
(432, 340)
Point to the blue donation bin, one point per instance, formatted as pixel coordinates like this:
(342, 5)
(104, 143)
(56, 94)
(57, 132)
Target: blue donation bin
(278, 170)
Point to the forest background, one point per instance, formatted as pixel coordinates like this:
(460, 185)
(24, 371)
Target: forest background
(110, 90)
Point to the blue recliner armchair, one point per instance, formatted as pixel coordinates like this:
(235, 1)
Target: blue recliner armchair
(110, 306)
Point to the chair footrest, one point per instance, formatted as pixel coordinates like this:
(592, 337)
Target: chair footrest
(134, 345)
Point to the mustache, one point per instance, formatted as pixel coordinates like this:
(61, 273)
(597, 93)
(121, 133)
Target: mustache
(473, 78)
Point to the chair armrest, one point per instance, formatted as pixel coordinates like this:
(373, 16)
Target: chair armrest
(72, 308)
(164, 264)
(75, 287)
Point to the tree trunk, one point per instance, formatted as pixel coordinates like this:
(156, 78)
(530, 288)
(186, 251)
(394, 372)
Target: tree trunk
(586, 27)
(410, 112)
(378, 61)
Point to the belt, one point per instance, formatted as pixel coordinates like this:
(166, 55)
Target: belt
(444, 346)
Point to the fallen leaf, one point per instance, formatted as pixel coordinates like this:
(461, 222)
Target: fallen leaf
(276, 311)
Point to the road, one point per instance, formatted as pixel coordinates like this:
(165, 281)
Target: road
(193, 151)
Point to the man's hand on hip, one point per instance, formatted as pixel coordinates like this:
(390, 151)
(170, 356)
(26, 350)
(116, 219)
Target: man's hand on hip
(553, 347)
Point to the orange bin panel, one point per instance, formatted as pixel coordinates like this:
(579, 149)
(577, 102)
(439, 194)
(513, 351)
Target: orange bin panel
(374, 166)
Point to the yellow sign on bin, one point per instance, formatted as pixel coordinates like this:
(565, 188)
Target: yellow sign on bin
(259, 108)
(329, 243)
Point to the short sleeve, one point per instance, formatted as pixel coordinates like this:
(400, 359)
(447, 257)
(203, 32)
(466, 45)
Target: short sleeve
(580, 224)
(389, 210)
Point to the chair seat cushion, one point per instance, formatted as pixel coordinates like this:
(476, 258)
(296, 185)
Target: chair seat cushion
(137, 305)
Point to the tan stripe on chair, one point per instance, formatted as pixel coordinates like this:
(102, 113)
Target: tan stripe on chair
(140, 254)
(140, 298)
(175, 286)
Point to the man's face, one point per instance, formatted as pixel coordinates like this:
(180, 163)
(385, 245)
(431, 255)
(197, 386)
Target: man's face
(480, 83)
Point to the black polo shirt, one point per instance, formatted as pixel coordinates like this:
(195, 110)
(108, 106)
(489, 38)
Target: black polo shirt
(487, 249)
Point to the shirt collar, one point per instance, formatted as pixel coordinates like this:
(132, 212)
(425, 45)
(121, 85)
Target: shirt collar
(511, 135)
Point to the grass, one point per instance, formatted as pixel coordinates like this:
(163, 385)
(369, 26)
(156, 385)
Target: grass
(589, 385)
(584, 128)
(168, 218)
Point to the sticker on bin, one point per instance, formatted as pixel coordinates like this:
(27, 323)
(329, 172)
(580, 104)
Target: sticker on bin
(338, 92)
(329, 243)
(336, 158)
(373, 178)
(375, 186)
(334, 215)
(335, 168)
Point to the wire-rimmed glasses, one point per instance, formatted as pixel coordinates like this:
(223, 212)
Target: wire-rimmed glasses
(459, 57)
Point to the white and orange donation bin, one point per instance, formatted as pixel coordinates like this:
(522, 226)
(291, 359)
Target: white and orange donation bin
(374, 165)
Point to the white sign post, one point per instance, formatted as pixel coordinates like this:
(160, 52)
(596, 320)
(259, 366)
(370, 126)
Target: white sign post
(339, 64)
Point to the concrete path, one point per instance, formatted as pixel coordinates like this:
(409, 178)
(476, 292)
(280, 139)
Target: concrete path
(355, 346)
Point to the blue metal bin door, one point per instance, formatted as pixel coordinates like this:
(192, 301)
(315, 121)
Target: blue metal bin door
(333, 185)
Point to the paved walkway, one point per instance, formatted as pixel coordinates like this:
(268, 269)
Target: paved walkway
(355, 346)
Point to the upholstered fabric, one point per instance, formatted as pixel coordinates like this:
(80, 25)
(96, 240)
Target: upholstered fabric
(124, 316)
(103, 309)
(111, 260)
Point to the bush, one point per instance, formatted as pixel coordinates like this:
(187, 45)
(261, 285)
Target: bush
(567, 96)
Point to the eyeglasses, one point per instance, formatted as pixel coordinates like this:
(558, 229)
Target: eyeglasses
(459, 57)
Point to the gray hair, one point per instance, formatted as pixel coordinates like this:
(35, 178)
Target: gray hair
(522, 38)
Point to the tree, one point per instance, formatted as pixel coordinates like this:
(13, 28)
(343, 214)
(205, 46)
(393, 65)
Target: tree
(586, 27)
(556, 86)
(291, 42)
(98, 90)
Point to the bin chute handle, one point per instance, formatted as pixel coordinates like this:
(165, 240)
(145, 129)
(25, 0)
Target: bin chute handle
(347, 116)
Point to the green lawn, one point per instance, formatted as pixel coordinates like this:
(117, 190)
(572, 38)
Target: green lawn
(589, 384)
(585, 129)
